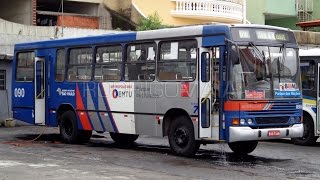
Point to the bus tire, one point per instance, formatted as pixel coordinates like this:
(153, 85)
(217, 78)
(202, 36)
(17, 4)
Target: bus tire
(181, 137)
(69, 131)
(243, 147)
(123, 139)
(308, 138)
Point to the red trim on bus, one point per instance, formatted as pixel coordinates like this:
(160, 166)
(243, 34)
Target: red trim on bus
(247, 106)
(83, 116)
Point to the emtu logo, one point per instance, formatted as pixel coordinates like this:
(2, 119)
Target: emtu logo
(115, 93)
(121, 94)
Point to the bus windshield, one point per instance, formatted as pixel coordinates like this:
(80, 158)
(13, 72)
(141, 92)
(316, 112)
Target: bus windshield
(264, 72)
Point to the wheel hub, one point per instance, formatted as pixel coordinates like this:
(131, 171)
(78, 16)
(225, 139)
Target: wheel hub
(68, 127)
(181, 137)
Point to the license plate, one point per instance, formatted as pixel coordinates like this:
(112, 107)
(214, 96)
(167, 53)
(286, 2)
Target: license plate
(273, 133)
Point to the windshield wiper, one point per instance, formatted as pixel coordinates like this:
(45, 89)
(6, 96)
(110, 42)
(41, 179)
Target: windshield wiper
(257, 51)
(261, 55)
(282, 49)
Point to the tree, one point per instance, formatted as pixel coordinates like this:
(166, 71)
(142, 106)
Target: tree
(152, 22)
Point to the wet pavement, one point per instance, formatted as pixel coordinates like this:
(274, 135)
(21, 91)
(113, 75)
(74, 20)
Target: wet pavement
(23, 157)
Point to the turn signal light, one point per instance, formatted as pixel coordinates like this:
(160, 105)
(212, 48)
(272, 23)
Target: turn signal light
(235, 121)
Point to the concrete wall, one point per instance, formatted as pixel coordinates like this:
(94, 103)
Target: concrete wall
(5, 96)
(105, 19)
(19, 11)
(12, 33)
(306, 38)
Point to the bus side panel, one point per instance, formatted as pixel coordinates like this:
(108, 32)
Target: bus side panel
(23, 101)
(144, 103)
(61, 93)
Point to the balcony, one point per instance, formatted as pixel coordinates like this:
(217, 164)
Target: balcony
(225, 11)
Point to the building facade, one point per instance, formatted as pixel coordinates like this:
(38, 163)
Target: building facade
(5, 87)
(284, 13)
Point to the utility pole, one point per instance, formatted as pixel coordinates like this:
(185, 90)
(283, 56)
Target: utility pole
(62, 10)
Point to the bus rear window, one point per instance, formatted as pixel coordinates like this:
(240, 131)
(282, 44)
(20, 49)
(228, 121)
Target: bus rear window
(25, 66)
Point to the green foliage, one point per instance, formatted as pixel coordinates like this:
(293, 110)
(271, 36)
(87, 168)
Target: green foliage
(152, 22)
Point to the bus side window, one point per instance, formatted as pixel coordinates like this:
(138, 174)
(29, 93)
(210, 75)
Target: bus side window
(80, 64)
(25, 67)
(308, 74)
(60, 65)
(177, 61)
(140, 62)
(108, 63)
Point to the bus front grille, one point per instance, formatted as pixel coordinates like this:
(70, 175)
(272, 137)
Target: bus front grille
(271, 120)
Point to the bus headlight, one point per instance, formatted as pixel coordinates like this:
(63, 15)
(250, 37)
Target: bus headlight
(292, 120)
(250, 121)
(298, 119)
(242, 121)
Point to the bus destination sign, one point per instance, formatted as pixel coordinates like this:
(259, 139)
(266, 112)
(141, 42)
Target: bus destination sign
(271, 35)
(261, 35)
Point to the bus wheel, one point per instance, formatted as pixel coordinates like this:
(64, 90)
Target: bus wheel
(243, 147)
(123, 139)
(69, 129)
(308, 138)
(181, 137)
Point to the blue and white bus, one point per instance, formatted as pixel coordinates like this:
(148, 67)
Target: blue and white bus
(310, 73)
(196, 85)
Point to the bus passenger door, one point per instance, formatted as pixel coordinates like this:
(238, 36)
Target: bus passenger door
(204, 81)
(40, 100)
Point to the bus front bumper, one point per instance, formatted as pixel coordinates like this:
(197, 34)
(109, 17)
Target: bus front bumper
(248, 134)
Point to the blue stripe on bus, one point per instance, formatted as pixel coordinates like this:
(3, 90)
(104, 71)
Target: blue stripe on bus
(94, 96)
(115, 128)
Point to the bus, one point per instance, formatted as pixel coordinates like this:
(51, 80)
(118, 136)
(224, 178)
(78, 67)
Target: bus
(310, 64)
(196, 85)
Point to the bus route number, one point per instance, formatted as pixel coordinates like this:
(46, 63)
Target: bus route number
(19, 92)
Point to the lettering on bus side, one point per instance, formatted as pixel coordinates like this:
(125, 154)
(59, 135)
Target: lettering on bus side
(66, 92)
(121, 93)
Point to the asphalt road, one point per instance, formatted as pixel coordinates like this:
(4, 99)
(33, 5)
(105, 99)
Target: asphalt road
(148, 158)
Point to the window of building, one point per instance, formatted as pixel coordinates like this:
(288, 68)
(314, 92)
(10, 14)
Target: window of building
(2, 79)
(80, 64)
(60, 65)
(140, 63)
(108, 63)
(307, 74)
(25, 66)
(177, 61)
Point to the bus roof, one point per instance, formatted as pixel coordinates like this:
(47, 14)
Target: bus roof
(261, 26)
(309, 52)
(128, 37)
(212, 29)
